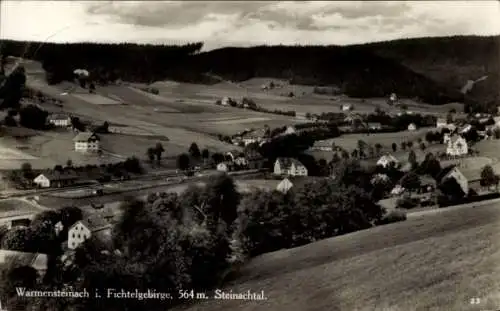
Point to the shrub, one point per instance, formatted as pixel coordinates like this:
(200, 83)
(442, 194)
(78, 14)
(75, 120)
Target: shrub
(392, 217)
(406, 203)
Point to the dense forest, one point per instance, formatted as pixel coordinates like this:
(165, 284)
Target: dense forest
(431, 69)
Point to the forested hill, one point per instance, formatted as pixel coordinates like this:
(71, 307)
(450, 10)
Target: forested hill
(432, 69)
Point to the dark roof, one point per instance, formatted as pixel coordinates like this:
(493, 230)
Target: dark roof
(84, 136)
(287, 162)
(445, 172)
(58, 116)
(54, 176)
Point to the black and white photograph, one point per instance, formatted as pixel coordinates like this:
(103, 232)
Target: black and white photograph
(249, 155)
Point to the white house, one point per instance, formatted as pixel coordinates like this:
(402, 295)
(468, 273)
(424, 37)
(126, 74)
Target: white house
(87, 141)
(289, 167)
(457, 146)
(346, 107)
(289, 130)
(412, 127)
(241, 161)
(387, 160)
(226, 101)
(441, 122)
(465, 129)
(224, 167)
(58, 227)
(284, 185)
(374, 126)
(60, 120)
(56, 179)
(78, 233)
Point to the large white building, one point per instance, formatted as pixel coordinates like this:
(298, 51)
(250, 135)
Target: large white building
(289, 167)
(87, 141)
(60, 120)
(78, 233)
(457, 146)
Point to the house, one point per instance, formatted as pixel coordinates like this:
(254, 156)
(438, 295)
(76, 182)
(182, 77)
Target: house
(441, 123)
(289, 167)
(241, 161)
(374, 126)
(465, 129)
(225, 166)
(226, 101)
(60, 120)
(455, 173)
(38, 261)
(78, 233)
(457, 146)
(397, 190)
(284, 185)
(387, 160)
(289, 130)
(412, 127)
(87, 141)
(446, 138)
(346, 107)
(55, 179)
(323, 145)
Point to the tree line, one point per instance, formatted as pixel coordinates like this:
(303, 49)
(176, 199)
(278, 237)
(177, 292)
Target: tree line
(356, 70)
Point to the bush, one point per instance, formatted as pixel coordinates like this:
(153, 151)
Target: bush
(406, 203)
(392, 217)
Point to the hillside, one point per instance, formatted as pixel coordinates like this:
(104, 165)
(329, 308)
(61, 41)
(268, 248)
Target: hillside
(432, 69)
(431, 262)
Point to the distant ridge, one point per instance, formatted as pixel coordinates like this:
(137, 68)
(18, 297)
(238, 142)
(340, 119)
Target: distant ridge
(431, 69)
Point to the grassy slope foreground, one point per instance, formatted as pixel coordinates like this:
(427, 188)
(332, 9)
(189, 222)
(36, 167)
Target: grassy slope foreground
(432, 262)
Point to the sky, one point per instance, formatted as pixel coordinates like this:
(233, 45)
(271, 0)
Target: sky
(244, 23)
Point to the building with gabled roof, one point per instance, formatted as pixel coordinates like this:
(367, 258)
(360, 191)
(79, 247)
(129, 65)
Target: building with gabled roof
(289, 167)
(284, 185)
(87, 141)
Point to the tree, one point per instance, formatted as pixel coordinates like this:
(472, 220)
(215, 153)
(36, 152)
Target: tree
(27, 171)
(70, 215)
(410, 181)
(31, 116)
(194, 151)
(12, 89)
(151, 154)
(17, 239)
(394, 147)
(488, 177)
(205, 154)
(159, 151)
(183, 161)
(361, 146)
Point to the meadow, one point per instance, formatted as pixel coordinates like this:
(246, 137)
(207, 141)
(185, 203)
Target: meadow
(432, 262)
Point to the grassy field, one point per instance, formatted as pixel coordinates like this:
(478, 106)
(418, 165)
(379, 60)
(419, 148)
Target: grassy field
(435, 262)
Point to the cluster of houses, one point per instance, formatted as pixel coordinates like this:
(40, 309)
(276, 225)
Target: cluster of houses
(77, 234)
(259, 136)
